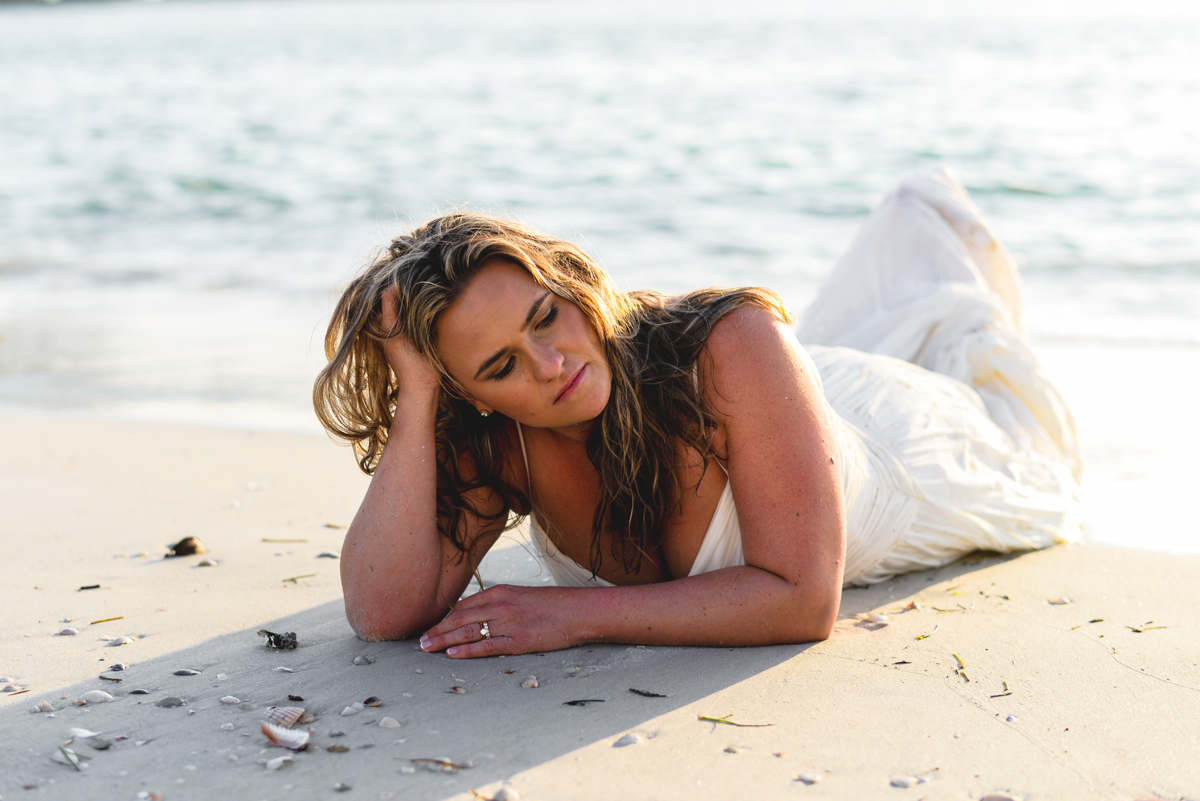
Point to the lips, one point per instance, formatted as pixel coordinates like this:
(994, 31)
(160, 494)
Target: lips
(575, 381)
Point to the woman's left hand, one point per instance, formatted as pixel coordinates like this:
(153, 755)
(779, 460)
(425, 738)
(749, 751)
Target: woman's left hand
(520, 620)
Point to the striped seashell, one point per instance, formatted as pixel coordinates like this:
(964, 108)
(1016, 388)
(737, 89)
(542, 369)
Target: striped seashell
(285, 716)
(293, 739)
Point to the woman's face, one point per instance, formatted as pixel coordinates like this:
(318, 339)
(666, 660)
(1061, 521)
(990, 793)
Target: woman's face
(525, 352)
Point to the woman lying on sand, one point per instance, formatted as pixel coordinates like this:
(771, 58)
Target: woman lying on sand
(693, 475)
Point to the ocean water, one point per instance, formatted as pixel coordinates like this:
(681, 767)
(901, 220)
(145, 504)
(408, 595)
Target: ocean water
(185, 185)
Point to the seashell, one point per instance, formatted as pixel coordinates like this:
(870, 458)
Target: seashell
(139, 692)
(530, 683)
(11, 688)
(246, 706)
(281, 670)
(281, 642)
(278, 762)
(119, 641)
(877, 618)
(96, 697)
(506, 794)
(460, 690)
(99, 743)
(207, 563)
(44, 706)
(169, 702)
(229, 699)
(363, 660)
(69, 631)
(1000, 797)
(307, 719)
(408, 769)
(336, 733)
(295, 698)
(374, 700)
(904, 782)
(81, 734)
(117, 667)
(293, 739)
(732, 749)
(341, 787)
(389, 723)
(809, 778)
(81, 702)
(628, 739)
(337, 749)
(348, 711)
(187, 672)
(188, 546)
(222, 676)
(285, 716)
(227, 727)
(1059, 601)
(1011, 719)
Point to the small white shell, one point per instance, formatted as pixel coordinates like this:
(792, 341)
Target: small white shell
(121, 641)
(877, 618)
(530, 683)
(227, 727)
(69, 631)
(96, 697)
(278, 762)
(1060, 601)
(207, 563)
(229, 699)
(44, 706)
(809, 778)
(904, 782)
(222, 676)
(389, 723)
(81, 734)
(293, 739)
(348, 711)
(1011, 719)
(628, 739)
(506, 794)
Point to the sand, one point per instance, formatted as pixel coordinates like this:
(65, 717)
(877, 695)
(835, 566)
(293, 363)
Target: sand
(1056, 700)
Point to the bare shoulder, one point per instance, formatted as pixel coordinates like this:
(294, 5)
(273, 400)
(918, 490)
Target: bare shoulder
(750, 355)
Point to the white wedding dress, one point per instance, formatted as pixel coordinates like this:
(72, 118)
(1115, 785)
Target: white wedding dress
(951, 437)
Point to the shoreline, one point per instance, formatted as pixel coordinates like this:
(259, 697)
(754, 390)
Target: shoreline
(1098, 710)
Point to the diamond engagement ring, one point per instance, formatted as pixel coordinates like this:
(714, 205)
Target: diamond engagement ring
(485, 631)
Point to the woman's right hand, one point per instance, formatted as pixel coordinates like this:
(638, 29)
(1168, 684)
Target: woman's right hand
(414, 372)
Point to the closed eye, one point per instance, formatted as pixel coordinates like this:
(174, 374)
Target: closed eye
(505, 370)
(548, 319)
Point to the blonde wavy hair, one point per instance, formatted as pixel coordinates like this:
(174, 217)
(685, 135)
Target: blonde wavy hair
(652, 344)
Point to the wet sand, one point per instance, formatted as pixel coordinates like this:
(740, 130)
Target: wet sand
(1095, 698)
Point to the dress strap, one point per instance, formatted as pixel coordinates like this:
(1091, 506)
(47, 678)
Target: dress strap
(525, 457)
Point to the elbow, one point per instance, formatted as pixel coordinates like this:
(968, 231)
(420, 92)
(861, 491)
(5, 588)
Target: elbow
(380, 621)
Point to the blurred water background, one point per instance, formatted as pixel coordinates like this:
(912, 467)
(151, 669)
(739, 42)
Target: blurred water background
(185, 185)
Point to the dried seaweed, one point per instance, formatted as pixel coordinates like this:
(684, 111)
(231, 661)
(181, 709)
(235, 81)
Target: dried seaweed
(646, 693)
(282, 642)
(584, 702)
(726, 720)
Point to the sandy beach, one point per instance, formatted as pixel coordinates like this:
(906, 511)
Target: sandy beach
(988, 685)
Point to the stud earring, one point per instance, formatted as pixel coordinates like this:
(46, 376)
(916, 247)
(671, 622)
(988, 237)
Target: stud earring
(483, 413)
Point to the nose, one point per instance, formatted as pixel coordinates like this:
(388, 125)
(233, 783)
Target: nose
(547, 363)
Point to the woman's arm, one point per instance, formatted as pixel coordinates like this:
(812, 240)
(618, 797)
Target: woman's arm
(399, 575)
(787, 486)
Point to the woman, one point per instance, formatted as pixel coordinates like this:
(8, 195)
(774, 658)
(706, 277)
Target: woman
(693, 475)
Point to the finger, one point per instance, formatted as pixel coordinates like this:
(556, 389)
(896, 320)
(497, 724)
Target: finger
(460, 635)
(493, 647)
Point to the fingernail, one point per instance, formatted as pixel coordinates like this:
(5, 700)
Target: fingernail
(424, 643)
(452, 652)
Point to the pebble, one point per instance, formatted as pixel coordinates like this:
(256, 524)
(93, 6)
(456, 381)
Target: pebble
(207, 563)
(99, 743)
(187, 672)
(227, 727)
(809, 778)
(461, 690)
(222, 676)
(117, 666)
(69, 631)
(1059, 601)
(904, 782)
(732, 749)
(877, 618)
(169, 702)
(43, 706)
(139, 692)
(1011, 719)
(531, 683)
(337, 749)
(97, 697)
(229, 699)
(506, 794)
(389, 723)
(628, 739)
(363, 660)
(341, 787)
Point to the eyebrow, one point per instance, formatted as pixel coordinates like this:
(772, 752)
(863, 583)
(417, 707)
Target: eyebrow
(533, 310)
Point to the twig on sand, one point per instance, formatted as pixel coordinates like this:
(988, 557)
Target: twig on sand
(294, 579)
(930, 634)
(726, 720)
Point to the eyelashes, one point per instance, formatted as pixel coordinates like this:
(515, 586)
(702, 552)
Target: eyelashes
(541, 325)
